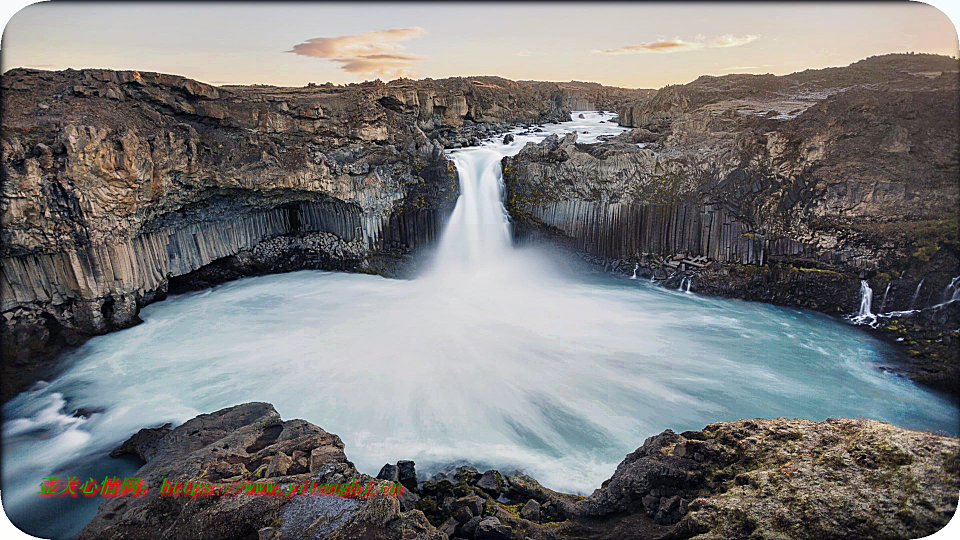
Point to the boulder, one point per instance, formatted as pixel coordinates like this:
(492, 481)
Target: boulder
(531, 510)
(407, 474)
(490, 528)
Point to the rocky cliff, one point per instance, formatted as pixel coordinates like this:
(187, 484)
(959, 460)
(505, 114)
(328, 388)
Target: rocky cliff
(119, 186)
(783, 189)
(775, 478)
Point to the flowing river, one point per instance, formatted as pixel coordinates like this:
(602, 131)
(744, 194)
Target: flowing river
(494, 356)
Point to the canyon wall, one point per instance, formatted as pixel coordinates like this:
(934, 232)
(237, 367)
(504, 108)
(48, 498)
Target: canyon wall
(793, 188)
(119, 186)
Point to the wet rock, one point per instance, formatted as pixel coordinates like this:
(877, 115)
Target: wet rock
(144, 443)
(508, 138)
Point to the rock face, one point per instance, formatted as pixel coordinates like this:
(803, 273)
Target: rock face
(814, 180)
(777, 478)
(250, 442)
(120, 186)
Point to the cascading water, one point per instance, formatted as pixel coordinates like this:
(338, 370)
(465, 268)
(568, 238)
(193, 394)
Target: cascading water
(953, 286)
(883, 303)
(864, 315)
(635, 267)
(916, 293)
(492, 357)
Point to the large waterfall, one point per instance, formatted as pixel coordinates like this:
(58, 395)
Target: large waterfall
(492, 357)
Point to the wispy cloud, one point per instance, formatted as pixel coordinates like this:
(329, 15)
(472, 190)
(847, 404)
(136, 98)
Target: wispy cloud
(372, 53)
(677, 44)
(527, 53)
(730, 40)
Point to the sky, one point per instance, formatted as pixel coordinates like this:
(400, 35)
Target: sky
(638, 45)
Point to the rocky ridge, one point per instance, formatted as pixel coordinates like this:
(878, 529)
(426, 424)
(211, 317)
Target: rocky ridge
(793, 188)
(776, 478)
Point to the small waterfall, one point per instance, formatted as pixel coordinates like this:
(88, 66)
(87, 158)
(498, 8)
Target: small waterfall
(953, 286)
(886, 291)
(864, 316)
(653, 277)
(680, 287)
(866, 298)
(689, 281)
(916, 293)
(635, 266)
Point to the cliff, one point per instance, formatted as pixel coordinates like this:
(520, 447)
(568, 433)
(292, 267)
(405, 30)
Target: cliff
(792, 188)
(119, 186)
(781, 478)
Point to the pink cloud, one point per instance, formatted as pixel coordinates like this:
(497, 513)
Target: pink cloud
(372, 53)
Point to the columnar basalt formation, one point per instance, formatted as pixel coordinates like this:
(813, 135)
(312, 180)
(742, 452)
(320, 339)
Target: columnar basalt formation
(119, 185)
(839, 174)
(782, 478)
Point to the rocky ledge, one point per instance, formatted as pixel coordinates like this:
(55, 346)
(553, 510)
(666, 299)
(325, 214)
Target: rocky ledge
(790, 190)
(779, 478)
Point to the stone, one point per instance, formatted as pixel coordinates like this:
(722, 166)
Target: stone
(407, 474)
(491, 482)
(508, 138)
(531, 510)
(469, 529)
(463, 514)
(279, 465)
(266, 533)
(449, 526)
(390, 473)
(490, 528)
(144, 444)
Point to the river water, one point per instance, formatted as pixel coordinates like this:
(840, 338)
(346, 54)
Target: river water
(494, 356)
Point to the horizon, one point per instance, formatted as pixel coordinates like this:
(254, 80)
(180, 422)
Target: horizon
(645, 46)
(390, 81)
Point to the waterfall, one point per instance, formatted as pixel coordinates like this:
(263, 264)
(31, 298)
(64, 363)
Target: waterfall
(680, 287)
(479, 227)
(866, 298)
(913, 302)
(886, 291)
(947, 296)
(864, 315)
(635, 266)
(689, 281)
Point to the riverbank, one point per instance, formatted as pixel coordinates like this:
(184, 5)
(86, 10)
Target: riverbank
(839, 478)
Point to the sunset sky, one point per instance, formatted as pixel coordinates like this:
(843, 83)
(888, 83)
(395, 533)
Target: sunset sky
(633, 45)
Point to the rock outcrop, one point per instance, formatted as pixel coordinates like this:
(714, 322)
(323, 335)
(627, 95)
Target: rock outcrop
(778, 478)
(251, 443)
(794, 188)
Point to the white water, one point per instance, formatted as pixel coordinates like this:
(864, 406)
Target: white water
(492, 357)
(883, 303)
(916, 293)
(635, 267)
(954, 286)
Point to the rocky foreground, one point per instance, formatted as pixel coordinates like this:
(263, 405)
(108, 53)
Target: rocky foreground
(779, 478)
